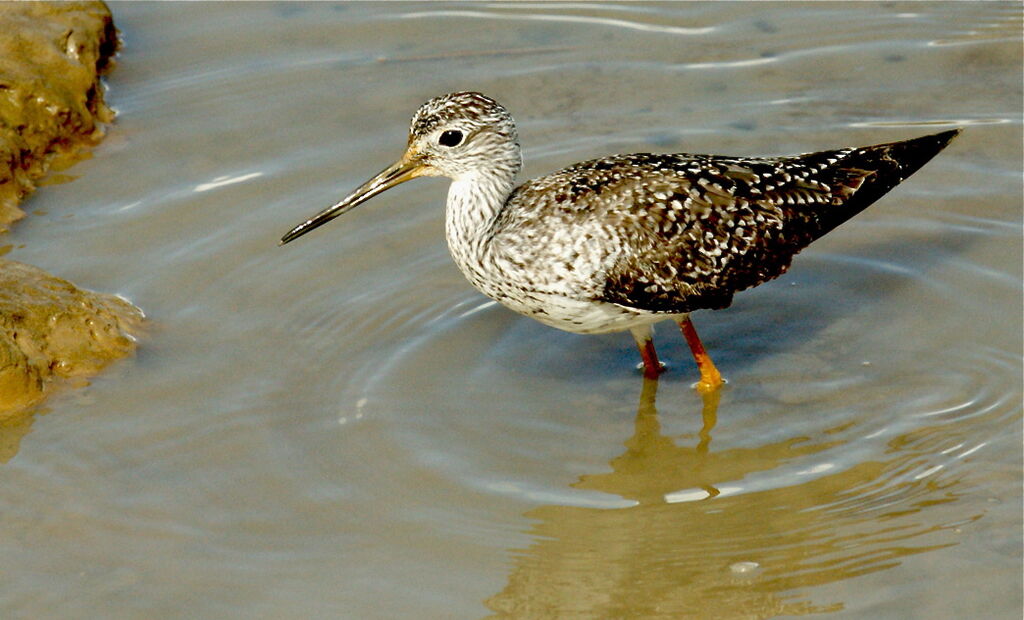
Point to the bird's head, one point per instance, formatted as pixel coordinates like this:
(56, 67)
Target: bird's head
(455, 136)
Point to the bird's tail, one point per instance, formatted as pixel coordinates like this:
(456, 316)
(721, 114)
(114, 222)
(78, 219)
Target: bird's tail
(871, 171)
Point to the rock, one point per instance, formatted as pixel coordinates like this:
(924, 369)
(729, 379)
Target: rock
(52, 330)
(51, 99)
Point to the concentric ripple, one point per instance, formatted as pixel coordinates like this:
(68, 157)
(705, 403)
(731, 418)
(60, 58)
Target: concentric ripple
(342, 427)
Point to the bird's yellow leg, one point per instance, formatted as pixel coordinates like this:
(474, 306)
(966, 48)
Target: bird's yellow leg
(645, 343)
(710, 378)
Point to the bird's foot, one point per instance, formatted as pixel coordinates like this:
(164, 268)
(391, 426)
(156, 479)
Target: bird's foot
(651, 372)
(710, 380)
(704, 388)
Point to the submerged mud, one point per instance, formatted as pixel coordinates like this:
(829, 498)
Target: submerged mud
(51, 108)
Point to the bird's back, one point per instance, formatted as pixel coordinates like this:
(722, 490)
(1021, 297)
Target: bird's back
(675, 233)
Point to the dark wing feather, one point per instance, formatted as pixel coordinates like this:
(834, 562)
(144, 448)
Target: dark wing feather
(705, 227)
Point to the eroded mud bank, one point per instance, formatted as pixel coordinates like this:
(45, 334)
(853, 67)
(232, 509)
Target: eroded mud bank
(51, 100)
(51, 108)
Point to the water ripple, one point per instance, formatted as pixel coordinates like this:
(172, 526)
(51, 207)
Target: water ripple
(574, 19)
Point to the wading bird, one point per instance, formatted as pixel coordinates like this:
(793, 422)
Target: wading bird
(625, 241)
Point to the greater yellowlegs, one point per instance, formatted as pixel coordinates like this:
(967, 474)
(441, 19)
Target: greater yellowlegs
(625, 241)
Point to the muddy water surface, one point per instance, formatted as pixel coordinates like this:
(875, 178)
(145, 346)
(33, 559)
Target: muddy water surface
(344, 428)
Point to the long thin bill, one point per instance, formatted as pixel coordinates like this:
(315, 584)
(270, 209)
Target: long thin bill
(398, 172)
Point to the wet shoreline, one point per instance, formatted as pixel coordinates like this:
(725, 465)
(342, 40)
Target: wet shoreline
(52, 112)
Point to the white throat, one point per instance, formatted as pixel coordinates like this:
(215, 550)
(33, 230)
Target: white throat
(474, 203)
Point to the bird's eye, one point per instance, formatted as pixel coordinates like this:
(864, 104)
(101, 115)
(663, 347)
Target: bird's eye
(452, 137)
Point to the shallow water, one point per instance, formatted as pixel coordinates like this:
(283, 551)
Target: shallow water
(344, 428)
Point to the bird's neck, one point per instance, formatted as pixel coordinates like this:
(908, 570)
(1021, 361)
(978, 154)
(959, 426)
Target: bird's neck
(475, 201)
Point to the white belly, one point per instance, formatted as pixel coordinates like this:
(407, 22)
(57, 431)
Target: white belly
(581, 317)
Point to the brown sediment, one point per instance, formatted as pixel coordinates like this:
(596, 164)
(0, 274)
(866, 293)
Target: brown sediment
(51, 99)
(51, 330)
(51, 108)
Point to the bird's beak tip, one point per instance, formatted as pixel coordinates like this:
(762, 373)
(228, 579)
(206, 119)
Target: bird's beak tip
(408, 167)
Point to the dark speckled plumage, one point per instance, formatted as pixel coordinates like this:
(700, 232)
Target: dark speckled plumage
(703, 227)
(621, 242)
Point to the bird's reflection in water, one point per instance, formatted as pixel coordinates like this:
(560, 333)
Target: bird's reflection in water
(653, 466)
(700, 541)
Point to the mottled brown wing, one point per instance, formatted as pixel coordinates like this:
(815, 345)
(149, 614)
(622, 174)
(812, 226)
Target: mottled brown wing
(704, 227)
